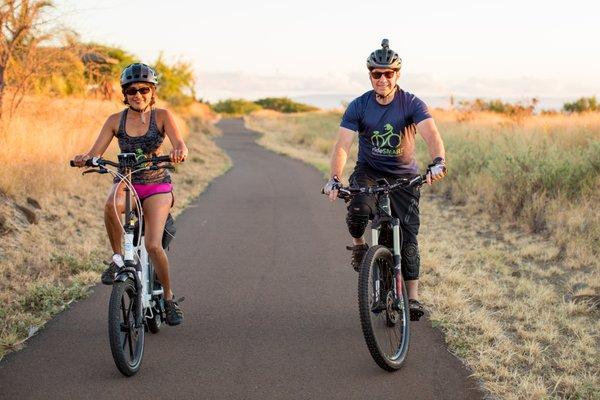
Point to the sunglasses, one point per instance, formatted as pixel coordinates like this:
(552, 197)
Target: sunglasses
(387, 74)
(132, 91)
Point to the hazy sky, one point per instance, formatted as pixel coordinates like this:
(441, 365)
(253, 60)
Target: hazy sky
(250, 49)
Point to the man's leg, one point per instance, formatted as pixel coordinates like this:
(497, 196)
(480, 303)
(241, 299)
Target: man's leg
(405, 204)
(359, 211)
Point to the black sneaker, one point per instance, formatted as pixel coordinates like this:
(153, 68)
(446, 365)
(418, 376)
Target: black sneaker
(416, 309)
(108, 276)
(358, 253)
(173, 314)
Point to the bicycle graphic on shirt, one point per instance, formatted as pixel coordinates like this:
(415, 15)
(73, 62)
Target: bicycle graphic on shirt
(387, 140)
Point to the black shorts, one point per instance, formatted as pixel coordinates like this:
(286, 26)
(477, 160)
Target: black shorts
(404, 202)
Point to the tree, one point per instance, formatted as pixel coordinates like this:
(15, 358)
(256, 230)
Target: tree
(583, 104)
(19, 32)
(176, 82)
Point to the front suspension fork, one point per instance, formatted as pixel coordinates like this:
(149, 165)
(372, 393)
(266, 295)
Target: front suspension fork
(397, 258)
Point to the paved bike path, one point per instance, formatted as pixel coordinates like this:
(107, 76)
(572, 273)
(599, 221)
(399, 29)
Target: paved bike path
(270, 309)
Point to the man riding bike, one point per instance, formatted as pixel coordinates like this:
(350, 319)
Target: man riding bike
(141, 129)
(386, 120)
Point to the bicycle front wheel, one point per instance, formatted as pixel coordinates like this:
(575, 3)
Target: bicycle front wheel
(384, 317)
(125, 328)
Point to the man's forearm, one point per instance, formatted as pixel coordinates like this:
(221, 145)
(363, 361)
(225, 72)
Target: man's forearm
(436, 148)
(338, 161)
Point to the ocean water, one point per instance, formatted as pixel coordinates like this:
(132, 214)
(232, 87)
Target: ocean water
(329, 101)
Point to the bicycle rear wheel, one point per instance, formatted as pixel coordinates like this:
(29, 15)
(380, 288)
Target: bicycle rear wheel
(384, 319)
(125, 329)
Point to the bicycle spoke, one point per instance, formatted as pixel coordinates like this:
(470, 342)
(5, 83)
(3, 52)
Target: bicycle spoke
(130, 340)
(123, 309)
(124, 341)
(392, 347)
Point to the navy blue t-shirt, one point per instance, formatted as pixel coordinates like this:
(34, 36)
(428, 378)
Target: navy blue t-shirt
(386, 133)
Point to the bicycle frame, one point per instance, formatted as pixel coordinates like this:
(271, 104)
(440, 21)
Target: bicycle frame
(141, 271)
(384, 215)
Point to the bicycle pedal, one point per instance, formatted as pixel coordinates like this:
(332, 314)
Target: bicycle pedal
(415, 315)
(378, 307)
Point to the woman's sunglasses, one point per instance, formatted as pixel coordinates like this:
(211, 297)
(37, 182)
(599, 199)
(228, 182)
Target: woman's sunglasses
(387, 74)
(132, 91)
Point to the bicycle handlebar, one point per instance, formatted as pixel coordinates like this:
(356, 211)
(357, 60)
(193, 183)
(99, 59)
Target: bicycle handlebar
(402, 183)
(100, 162)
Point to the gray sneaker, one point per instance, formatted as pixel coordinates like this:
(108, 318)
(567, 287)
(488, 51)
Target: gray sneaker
(108, 275)
(358, 253)
(173, 313)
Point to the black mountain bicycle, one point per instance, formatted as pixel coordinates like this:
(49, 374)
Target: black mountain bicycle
(382, 296)
(136, 302)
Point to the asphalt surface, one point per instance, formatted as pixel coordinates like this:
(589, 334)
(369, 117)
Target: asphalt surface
(270, 309)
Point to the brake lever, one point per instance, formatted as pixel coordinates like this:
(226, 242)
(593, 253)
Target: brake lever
(99, 170)
(157, 167)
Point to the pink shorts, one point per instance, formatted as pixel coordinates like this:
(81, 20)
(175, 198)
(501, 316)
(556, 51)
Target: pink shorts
(146, 190)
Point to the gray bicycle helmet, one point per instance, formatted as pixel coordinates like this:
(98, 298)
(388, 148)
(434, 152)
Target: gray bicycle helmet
(138, 72)
(384, 58)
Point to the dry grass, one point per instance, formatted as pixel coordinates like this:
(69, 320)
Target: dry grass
(505, 298)
(46, 264)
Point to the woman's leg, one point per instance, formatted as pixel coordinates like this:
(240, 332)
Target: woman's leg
(156, 209)
(114, 207)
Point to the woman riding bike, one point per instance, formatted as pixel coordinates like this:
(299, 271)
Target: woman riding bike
(141, 129)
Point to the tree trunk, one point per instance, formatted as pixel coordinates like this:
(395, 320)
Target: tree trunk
(2, 85)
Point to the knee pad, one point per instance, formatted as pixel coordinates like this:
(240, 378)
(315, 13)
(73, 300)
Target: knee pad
(358, 218)
(411, 261)
(357, 224)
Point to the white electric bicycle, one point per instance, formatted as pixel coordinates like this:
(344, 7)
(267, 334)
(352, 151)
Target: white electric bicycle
(136, 302)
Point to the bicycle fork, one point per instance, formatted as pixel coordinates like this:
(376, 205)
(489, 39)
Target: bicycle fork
(397, 281)
(397, 235)
(397, 278)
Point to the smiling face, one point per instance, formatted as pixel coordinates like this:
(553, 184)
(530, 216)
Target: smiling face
(139, 95)
(383, 80)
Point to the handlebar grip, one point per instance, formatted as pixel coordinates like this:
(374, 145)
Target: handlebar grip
(88, 163)
(162, 159)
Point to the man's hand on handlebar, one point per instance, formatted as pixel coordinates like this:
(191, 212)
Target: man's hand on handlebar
(436, 170)
(331, 188)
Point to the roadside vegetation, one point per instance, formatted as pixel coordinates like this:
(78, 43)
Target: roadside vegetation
(54, 101)
(509, 240)
(237, 107)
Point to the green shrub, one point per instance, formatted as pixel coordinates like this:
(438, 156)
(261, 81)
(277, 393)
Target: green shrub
(582, 104)
(236, 106)
(284, 105)
(516, 111)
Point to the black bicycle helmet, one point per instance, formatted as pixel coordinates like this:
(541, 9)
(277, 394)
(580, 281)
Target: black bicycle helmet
(384, 58)
(138, 72)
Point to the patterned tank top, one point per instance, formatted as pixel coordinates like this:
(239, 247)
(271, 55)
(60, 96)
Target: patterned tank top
(148, 145)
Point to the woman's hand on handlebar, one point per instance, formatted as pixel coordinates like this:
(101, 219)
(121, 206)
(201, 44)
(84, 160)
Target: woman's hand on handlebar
(80, 159)
(178, 155)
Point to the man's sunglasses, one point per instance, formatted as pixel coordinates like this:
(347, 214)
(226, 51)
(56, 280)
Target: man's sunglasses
(132, 91)
(387, 74)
